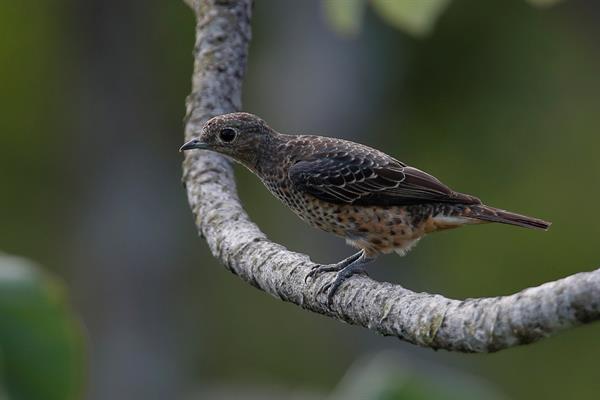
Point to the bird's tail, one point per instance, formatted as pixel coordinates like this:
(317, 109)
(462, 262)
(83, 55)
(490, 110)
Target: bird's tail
(491, 214)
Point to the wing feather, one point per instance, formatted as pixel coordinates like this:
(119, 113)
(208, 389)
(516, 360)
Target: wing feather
(369, 178)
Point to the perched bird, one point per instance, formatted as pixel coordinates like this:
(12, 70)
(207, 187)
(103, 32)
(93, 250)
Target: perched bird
(377, 203)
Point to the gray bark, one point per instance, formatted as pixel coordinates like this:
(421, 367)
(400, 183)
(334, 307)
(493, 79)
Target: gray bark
(472, 325)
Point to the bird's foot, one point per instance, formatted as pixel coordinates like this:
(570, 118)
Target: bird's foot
(321, 268)
(355, 264)
(357, 267)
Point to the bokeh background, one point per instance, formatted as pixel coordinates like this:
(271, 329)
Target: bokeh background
(501, 99)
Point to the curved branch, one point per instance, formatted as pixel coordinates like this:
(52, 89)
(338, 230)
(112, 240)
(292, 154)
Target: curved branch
(472, 325)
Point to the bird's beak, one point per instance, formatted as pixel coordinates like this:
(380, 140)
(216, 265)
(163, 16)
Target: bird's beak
(193, 144)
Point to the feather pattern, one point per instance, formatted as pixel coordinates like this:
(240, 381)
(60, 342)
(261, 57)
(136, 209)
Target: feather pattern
(346, 172)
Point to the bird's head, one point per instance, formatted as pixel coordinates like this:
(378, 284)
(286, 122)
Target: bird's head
(237, 135)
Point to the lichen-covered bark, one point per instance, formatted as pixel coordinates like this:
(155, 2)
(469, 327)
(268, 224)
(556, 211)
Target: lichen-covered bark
(472, 325)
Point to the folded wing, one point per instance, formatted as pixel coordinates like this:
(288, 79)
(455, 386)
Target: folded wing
(369, 179)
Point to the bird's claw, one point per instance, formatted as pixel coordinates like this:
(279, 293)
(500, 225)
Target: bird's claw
(312, 272)
(352, 265)
(330, 288)
(319, 269)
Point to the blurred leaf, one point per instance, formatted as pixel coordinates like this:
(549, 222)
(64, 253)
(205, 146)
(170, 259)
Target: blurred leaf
(544, 3)
(41, 346)
(391, 375)
(344, 16)
(416, 17)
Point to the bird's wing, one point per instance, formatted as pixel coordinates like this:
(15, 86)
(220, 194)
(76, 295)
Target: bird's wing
(369, 178)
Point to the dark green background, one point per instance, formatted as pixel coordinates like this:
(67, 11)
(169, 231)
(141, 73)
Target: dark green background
(501, 101)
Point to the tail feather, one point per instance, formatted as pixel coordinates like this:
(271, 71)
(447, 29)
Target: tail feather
(491, 214)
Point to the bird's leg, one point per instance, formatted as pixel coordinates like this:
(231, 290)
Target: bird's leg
(318, 269)
(355, 267)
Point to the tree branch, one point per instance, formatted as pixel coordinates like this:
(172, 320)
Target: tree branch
(472, 325)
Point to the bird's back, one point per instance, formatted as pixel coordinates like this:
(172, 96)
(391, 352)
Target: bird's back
(345, 172)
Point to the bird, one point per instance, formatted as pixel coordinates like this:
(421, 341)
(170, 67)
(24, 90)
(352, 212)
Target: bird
(375, 202)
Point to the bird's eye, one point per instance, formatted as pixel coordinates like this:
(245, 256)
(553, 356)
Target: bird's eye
(227, 135)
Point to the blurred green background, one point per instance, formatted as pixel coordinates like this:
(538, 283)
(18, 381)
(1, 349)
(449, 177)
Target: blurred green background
(500, 99)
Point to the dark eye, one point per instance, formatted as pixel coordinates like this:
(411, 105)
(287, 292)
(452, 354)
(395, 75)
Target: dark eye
(227, 135)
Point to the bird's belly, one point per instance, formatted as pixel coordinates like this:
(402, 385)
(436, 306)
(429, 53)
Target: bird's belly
(375, 229)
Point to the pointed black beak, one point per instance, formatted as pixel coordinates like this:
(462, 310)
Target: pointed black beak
(193, 144)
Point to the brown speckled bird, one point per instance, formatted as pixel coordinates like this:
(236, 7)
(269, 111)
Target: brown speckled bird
(377, 203)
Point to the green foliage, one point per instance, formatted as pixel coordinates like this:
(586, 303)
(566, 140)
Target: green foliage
(344, 16)
(41, 346)
(416, 17)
